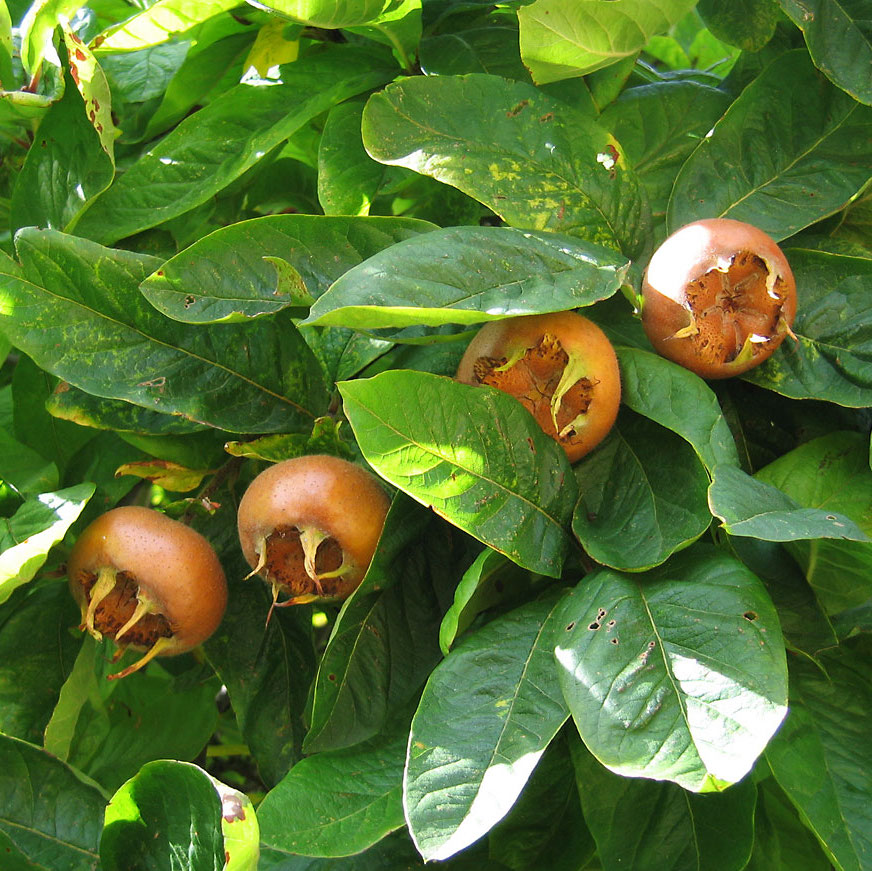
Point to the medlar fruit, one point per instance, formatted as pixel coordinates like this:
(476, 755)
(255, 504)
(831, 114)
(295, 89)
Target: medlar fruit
(147, 582)
(560, 366)
(310, 525)
(718, 297)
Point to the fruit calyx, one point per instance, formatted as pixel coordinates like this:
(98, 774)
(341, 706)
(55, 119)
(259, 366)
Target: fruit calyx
(115, 606)
(550, 383)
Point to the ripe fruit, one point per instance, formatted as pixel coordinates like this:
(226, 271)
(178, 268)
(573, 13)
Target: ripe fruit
(148, 582)
(560, 366)
(309, 527)
(718, 297)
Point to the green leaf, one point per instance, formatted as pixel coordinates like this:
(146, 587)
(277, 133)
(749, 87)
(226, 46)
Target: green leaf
(565, 38)
(676, 674)
(467, 275)
(214, 146)
(483, 463)
(393, 852)
(267, 668)
(65, 168)
(535, 162)
(37, 653)
(679, 400)
(646, 825)
(69, 403)
(545, 828)
(39, 524)
(23, 468)
(831, 474)
(752, 507)
(487, 714)
(338, 802)
(332, 14)
(800, 172)
(79, 315)
(228, 275)
(169, 809)
(642, 496)
(158, 23)
(48, 812)
(748, 24)
(491, 49)
(781, 840)
(831, 358)
(240, 828)
(838, 39)
(821, 759)
(384, 641)
(37, 32)
(659, 125)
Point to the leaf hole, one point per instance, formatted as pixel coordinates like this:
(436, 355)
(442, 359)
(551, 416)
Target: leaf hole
(570, 626)
(750, 615)
(613, 641)
(594, 626)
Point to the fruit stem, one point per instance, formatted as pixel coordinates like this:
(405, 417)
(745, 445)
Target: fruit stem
(103, 586)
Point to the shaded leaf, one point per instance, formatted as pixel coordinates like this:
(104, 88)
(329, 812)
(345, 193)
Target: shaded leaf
(487, 714)
(166, 474)
(468, 275)
(799, 173)
(748, 24)
(821, 759)
(214, 146)
(338, 802)
(642, 496)
(679, 400)
(483, 463)
(229, 274)
(48, 813)
(645, 825)
(537, 163)
(675, 674)
(80, 317)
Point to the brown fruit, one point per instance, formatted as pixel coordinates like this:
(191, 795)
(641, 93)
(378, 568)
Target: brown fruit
(147, 582)
(309, 527)
(560, 366)
(718, 297)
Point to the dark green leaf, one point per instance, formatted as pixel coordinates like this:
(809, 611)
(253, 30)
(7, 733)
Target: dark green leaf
(831, 359)
(676, 674)
(800, 172)
(491, 49)
(167, 817)
(79, 315)
(47, 811)
(267, 669)
(39, 524)
(749, 24)
(23, 468)
(545, 828)
(565, 38)
(36, 655)
(227, 276)
(646, 825)
(537, 163)
(487, 714)
(338, 802)
(821, 757)
(394, 853)
(831, 474)
(482, 462)
(65, 168)
(839, 40)
(679, 400)
(748, 506)
(384, 642)
(642, 496)
(467, 275)
(214, 146)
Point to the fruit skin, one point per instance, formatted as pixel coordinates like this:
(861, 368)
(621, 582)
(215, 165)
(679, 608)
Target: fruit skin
(177, 573)
(325, 499)
(528, 349)
(741, 328)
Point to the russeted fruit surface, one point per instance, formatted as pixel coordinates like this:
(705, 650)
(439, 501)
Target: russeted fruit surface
(718, 297)
(560, 366)
(310, 525)
(147, 582)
